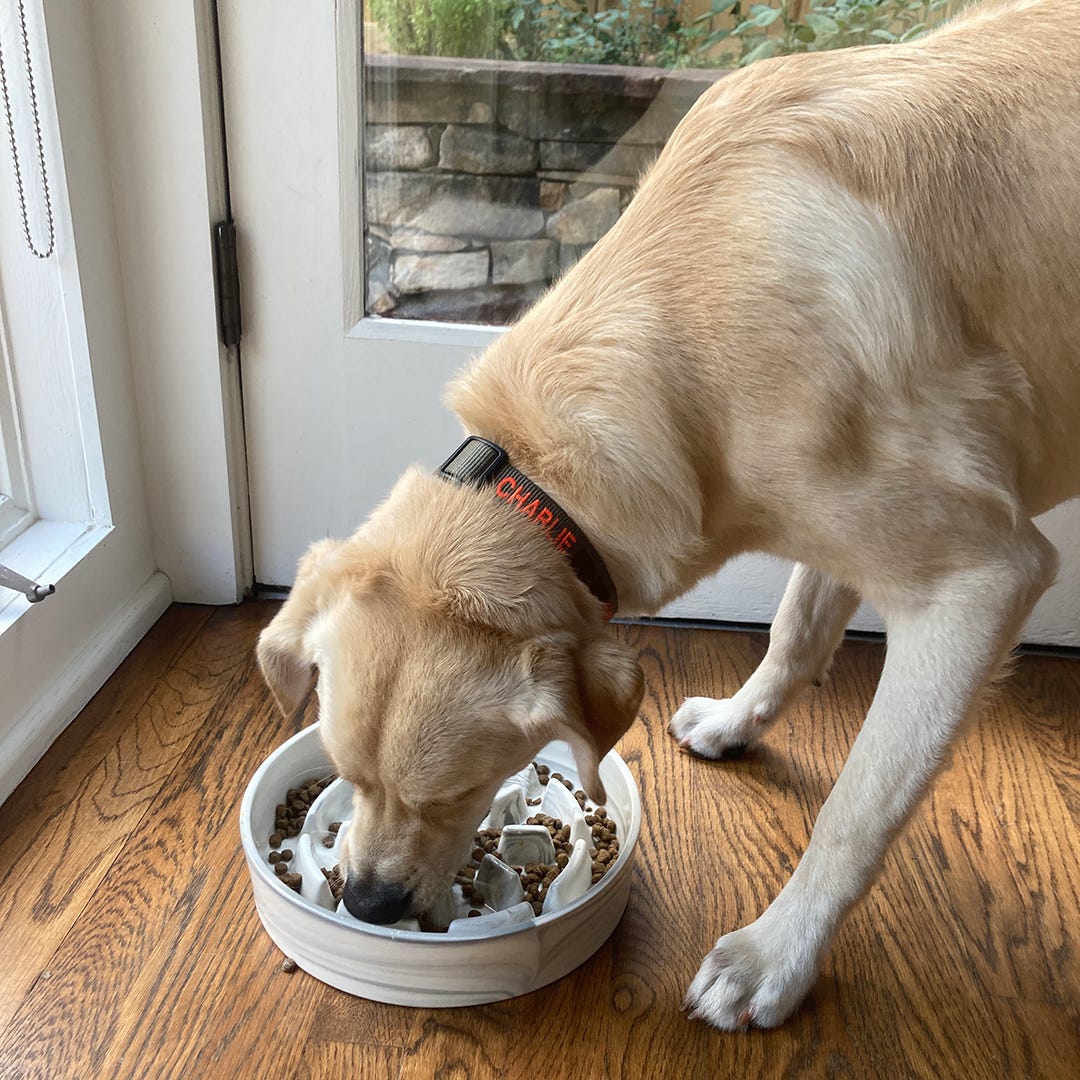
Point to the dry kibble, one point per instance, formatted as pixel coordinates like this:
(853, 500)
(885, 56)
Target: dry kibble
(288, 965)
(535, 878)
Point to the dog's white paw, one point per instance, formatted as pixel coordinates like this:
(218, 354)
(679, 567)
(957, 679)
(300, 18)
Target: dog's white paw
(715, 728)
(752, 977)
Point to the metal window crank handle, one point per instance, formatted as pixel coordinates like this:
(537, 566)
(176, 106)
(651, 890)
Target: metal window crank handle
(30, 589)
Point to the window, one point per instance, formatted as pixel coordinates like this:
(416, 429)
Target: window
(503, 139)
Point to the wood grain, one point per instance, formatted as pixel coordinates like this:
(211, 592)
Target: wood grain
(132, 947)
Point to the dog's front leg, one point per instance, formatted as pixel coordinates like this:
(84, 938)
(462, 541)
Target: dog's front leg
(808, 626)
(941, 653)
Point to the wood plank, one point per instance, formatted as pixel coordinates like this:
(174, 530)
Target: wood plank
(64, 824)
(1051, 689)
(144, 783)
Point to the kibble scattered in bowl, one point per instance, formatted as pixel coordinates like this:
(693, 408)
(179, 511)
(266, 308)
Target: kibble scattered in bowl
(289, 818)
(536, 877)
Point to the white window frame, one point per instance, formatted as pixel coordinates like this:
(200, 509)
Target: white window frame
(72, 449)
(15, 503)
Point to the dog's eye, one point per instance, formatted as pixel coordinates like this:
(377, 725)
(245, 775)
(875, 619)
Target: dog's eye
(468, 796)
(447, 802)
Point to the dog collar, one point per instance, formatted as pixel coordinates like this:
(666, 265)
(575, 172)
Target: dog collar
(480, 463)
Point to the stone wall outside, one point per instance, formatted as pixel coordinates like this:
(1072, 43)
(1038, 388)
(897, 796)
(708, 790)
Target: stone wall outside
(486, 179)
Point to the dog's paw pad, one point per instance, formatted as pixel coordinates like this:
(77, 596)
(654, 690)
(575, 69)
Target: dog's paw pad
(716, 729)
(727, 753)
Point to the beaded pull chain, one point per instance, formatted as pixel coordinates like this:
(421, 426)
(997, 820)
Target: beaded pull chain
(40, 144)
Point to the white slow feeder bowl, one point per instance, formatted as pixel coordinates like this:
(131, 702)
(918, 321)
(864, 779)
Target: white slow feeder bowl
(498, 955)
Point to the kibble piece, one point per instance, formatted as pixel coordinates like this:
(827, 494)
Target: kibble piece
(281, 869)
(294, 881)
(335, 826)
(473, 913)
(329, 840)
(288, 965)
(286, 854)
(274, 857)
(275, 839)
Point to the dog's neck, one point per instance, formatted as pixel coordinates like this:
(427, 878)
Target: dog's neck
(482, 464)
(580, 393)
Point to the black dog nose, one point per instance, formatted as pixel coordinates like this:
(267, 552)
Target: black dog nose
(375, 901)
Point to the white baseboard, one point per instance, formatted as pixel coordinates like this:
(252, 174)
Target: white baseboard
(32, 733)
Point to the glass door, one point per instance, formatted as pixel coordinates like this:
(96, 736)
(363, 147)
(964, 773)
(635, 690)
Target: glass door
(408, 177)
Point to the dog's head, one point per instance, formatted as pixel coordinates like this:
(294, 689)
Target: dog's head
(451, 642)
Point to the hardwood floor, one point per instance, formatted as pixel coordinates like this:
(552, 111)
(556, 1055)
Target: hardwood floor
(131, 948)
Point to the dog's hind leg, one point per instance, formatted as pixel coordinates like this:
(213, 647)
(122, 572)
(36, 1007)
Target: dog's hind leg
(946, 641)
(808, 626)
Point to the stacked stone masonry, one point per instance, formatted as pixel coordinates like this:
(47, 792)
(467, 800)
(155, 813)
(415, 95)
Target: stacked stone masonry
(486, 180)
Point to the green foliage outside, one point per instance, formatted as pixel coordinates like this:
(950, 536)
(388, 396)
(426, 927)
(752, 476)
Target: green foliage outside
(648, 32)
(443, 27)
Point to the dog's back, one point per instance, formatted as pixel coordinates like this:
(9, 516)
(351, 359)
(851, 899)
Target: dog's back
(968, 142)
(863, 263)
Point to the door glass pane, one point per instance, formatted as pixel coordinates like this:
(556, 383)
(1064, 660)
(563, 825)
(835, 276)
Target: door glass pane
(503, 138)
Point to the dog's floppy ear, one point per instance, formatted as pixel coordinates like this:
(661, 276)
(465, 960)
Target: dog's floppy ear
(283, 657)
(587, 693)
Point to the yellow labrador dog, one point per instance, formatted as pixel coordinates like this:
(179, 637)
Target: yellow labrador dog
(839, 322)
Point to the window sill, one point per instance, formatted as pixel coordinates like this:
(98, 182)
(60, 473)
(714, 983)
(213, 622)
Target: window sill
(45, 553)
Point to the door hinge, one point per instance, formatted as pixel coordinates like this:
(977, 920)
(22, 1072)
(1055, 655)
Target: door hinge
(228, 282)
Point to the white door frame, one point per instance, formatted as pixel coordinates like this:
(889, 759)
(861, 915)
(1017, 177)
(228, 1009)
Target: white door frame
(156, 63)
